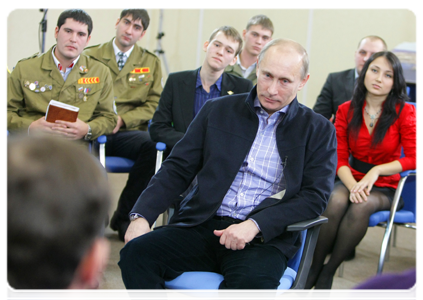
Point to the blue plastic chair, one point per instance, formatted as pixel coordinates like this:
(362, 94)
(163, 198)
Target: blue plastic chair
(294, 277)
(405, 217)
(117, 164)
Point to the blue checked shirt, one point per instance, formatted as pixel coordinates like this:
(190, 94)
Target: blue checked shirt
(201, 96)
(261, 174)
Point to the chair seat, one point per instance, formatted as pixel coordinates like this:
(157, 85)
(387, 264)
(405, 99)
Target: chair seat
(401, 216)
(116, 164)
(211, 281)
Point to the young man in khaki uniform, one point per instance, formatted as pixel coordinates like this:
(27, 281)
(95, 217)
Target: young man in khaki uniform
(257, 34)
(65, 75)
(137, 86)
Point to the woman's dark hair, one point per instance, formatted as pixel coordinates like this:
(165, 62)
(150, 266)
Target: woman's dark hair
(397, 95)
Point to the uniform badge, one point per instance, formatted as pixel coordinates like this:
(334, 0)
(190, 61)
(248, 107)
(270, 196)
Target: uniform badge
(140, 70)
(89, 80)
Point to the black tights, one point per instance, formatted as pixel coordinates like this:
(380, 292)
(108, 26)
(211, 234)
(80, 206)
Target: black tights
(347, 226)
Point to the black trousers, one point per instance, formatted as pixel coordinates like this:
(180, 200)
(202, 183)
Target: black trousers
(163, 254)
(135, 145)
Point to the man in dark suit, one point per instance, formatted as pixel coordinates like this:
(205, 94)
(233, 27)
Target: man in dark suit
(185, 92)
(263, 161)
(339, 86)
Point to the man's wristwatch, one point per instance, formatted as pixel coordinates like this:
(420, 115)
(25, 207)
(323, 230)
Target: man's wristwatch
(133, 217)
(89, 134)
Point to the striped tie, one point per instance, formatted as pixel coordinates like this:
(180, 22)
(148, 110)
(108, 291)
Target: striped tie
(120, 62)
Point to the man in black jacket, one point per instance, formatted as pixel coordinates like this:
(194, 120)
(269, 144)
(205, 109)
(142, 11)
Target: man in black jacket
(263, 161)
(185, 92)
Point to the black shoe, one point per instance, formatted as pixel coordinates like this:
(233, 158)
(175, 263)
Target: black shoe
(351, 256)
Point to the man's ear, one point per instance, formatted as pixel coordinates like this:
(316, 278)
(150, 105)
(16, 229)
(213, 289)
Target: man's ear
(233, 61)
(303, 82)
(142, 35)
(92, 265)
(205, 45)
(117, 22)
(56, 32)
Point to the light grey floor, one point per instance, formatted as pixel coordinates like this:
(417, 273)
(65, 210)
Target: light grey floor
(356, 271)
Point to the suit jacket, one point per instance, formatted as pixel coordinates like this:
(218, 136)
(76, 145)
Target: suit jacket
(214, 148)
(338, 88)
(137, 87)
(176, 106)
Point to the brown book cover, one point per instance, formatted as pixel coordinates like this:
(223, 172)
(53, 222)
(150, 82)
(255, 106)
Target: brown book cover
(61, 111)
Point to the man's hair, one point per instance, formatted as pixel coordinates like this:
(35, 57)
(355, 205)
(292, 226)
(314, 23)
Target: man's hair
(374, 38)
(57, 204)
(137, 14)
(78, 15)
(229, 32)
(293, 44)
(262, 20)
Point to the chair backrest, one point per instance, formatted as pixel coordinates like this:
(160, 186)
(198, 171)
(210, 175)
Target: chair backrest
(409, 191)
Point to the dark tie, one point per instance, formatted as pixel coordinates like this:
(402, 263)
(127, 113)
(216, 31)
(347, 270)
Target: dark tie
(120, 62)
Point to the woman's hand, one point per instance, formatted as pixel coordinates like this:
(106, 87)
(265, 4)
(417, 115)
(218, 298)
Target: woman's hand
(360, 191)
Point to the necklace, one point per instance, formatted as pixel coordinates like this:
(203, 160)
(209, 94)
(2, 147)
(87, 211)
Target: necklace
(372, 117)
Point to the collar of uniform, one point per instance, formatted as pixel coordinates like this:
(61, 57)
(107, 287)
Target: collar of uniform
(238, 62)
(58, 65)
(218, 83)
(258, 106)
(117, 50)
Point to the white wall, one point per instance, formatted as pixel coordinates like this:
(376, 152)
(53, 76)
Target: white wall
(330, 35)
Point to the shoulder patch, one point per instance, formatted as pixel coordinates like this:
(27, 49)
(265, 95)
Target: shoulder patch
(32, 56)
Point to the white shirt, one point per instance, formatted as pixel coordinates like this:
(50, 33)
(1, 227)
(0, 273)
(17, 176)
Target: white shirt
(245, 71)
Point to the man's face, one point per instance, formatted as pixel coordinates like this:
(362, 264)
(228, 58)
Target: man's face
(255, 38)
(128, 32)
(220, 52)
(279, 78)
(72, 37)
(365, 50)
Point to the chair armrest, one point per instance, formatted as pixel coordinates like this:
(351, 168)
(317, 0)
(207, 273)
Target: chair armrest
(307, 224)
(313, 229)
(102, 139)
(408, 173)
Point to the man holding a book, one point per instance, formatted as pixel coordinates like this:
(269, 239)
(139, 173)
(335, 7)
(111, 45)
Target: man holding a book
(137, 85)
(67, 76)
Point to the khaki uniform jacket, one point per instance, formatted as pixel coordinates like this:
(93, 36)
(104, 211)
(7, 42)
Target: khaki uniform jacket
(137, 86)
(236, 70)
(25, 105)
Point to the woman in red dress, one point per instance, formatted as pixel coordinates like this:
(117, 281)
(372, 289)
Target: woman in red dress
(370, 129)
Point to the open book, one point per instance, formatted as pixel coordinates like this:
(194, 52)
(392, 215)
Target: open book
(61, 111)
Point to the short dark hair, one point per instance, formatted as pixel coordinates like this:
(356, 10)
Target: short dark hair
(374, 38)
(137, 14)
(229, 32)
(78, 15)
(262, 20)
(397, 95)
(57, 204)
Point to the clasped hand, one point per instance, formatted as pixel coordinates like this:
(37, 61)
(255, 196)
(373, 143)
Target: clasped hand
(360, 191)
(71, 130)
(236, 236)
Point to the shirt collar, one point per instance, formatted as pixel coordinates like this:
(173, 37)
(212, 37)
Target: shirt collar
(58, 65)
(257, 105)
(355, 74)
(238, 62)
(218, 83)
(117, 50)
